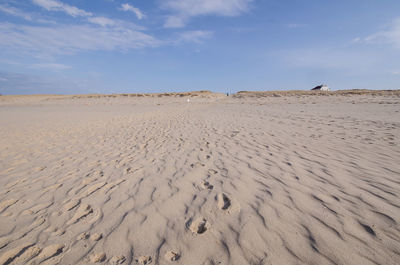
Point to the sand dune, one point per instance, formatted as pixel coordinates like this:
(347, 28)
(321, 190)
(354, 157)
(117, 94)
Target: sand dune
(158, 180)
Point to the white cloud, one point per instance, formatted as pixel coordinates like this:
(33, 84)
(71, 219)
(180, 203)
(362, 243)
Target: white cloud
(102, 21)
(103, 34)
(185, 9)
(390, 35)
(69, 39)
(127, 7)
(54, 5)
(50, 66)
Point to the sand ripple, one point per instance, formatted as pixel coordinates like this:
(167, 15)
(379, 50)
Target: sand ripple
(286, 180)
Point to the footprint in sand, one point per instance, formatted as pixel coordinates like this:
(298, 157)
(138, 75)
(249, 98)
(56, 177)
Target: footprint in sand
(83, 236)
(212, 171)
(226, 204)
(143, 260)
(205, 185)
(172, 255)
(198, 226)
(117, 260)
(98, 257)
(58, 232)
(197, 164)
(223, 201)
(56, 213)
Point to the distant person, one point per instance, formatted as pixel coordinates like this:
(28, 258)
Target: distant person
(227, 94)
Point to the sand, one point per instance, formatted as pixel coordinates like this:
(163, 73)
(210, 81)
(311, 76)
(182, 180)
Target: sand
(251, 179)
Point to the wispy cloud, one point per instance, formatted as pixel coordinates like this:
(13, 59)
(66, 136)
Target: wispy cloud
(195, 36)
(183, 10)
(69, 39)
(102, 21)
(53, 5)
(15, 12)
(389, 35)
(96, 33)
(127, 7)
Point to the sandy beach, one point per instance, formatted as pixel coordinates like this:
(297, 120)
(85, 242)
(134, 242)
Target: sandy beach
(274, 178)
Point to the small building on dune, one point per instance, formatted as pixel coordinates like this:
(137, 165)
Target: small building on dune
(322, 88)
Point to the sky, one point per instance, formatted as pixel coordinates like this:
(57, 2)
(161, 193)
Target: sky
(146, 46)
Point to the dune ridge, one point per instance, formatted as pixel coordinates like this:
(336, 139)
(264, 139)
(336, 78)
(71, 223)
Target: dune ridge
(297, 93)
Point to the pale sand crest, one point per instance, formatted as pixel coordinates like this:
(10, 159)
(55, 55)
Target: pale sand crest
(281, 179)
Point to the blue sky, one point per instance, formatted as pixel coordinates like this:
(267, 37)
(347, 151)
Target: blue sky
(113, 46)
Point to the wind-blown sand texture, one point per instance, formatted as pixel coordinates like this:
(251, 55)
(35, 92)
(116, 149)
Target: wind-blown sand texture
(291, 179)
